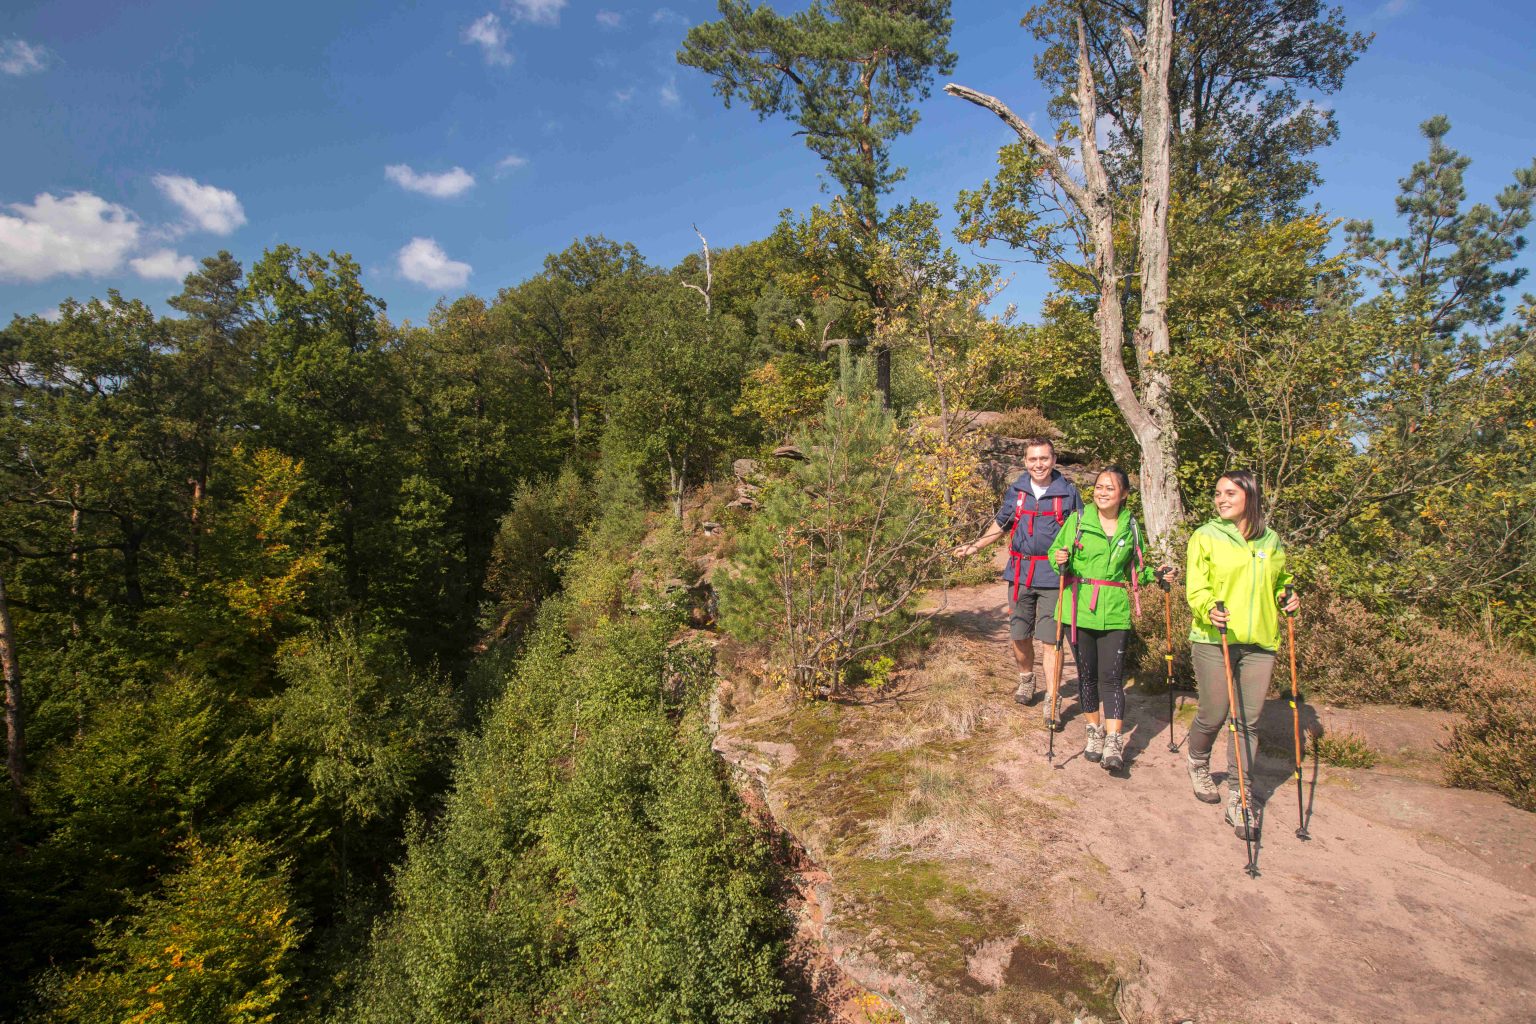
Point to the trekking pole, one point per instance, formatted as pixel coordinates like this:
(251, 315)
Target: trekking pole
(1052, 696)
(1237, 748)
(1290, 631)
(1168, 656)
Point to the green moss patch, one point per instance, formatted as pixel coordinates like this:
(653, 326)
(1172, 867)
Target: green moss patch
(915, 907)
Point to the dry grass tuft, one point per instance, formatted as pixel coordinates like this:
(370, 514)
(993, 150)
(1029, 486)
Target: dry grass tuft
(933, 811)
(947, 700)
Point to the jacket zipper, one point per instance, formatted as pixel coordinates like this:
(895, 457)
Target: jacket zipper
(1253, 592)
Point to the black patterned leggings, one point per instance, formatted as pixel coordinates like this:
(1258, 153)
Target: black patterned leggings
(1100, 657)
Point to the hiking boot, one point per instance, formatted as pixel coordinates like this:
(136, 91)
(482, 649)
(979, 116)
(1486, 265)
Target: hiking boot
(1200, 778)
(1235, 815)
(1026, 691)
(1050, 723)
(1114, 752)
(1094, 748)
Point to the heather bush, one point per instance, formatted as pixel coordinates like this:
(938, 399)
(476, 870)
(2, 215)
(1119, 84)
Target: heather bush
(1494, 746)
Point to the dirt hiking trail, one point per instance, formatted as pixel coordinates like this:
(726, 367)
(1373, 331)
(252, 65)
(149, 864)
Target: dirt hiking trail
(963, 877)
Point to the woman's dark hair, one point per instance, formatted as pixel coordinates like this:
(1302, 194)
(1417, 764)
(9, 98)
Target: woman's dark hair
(1120, 474)
(1253, 506)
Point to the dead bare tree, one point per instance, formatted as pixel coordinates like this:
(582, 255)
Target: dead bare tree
(1090, 202)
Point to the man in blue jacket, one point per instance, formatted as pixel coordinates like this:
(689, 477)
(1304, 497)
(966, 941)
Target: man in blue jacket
(1034, 507)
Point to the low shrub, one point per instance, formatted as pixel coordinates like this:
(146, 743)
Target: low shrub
(1025, 422)
(1149, 642)
(1494, 747)
(1346, 750)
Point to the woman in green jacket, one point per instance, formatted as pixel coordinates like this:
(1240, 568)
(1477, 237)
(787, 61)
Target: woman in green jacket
(1098, 552)
(1237, 561)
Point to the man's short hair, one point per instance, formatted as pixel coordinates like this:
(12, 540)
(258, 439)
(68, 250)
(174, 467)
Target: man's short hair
(1040, 442)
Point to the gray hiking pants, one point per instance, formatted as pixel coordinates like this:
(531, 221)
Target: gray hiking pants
(1252, 667)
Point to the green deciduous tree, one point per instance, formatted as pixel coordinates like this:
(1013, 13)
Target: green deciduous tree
(329, 396)
(216, 941)
(369, 731)
(1237, 81)
(676, 386)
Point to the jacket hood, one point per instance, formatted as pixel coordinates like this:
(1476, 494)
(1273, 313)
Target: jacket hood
(1219, 525)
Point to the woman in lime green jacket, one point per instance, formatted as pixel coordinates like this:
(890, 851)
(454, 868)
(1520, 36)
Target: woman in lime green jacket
(1098, 552)
(1237, 561)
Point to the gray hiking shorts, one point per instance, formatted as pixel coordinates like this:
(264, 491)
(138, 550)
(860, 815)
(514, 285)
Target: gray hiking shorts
(1034, 614)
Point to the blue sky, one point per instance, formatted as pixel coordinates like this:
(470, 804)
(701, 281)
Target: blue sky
(450, 146)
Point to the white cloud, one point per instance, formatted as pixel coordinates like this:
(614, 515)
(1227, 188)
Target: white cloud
(78, 234)
(446, 185)
(623, 95)
(52, 314)
(423, 262)
(488, 34)
(1391, 9)
(212, 209)
(667, 16)
(509, 163)
(19, 57)
(537, 12)
(668, 93)
(163, 264)
(610, 19)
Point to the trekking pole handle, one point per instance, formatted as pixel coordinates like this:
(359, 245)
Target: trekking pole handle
(1286, 599)
(1221, 607)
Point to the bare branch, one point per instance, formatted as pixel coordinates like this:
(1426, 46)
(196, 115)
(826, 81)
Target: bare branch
(1042, 149)
(709, 277)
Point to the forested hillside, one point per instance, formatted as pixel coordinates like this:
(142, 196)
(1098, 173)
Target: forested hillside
(341, 656)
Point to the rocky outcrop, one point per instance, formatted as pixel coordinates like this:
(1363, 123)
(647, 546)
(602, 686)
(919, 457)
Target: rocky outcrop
(746, 471)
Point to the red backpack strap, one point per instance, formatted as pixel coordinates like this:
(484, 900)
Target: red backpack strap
(1013, 552)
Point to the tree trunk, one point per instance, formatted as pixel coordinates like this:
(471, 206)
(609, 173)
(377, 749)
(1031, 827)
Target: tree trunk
(1149, 415)
(76, 593)
(1162, 504)
(199, 494)
(677, 479)
(15, 734)
(883, 374)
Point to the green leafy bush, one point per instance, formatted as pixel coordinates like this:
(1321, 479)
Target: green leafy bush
(1346, 750)
(368, 727)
